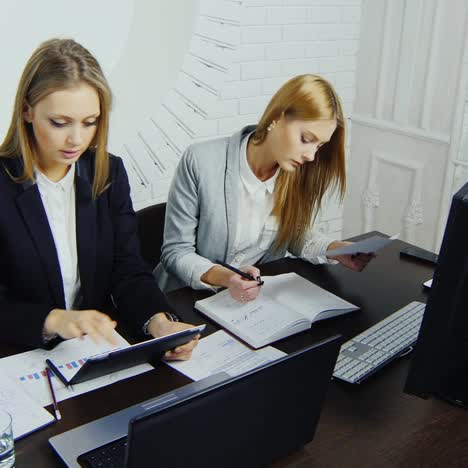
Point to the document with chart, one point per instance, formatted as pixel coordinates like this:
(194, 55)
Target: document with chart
(27, 370)
(287, 304)
(27, 414)
(221, 352)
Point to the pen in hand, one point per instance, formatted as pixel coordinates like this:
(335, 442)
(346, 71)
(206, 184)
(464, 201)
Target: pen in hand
(245, 275)
(58, 416)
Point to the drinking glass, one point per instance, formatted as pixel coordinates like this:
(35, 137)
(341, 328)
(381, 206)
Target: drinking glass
(7, 448)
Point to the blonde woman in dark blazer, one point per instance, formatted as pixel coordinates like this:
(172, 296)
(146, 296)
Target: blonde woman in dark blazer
(253, 197)
(68, 239)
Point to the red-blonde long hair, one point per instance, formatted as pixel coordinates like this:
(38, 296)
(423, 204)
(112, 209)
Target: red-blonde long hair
(298, 195)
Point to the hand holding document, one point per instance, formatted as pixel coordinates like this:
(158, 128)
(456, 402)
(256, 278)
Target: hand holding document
(220, 352)
(370, 245)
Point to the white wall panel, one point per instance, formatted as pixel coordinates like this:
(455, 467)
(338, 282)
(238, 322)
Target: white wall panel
(409, 106)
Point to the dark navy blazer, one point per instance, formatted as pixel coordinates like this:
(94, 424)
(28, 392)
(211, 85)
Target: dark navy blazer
(113, 276)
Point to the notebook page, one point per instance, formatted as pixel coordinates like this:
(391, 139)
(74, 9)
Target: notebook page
(256, 321)
(304, 297)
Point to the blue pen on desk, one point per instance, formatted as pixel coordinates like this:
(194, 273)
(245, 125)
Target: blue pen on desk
(57, 373)
(245, 275)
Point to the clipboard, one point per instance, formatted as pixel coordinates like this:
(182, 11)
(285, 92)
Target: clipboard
(123, 358)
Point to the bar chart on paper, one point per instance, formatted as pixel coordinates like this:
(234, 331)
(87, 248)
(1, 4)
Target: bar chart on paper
(28, 369)
(72, 365)
(28, 415)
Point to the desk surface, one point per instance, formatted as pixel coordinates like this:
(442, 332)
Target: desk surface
(369, 425)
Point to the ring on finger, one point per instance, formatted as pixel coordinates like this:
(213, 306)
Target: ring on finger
(242, 297)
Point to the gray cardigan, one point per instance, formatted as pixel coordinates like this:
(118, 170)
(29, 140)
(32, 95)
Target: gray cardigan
(202, 213)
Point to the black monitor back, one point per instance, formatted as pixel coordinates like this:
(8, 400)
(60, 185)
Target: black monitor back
(440, 363)
(248, 421)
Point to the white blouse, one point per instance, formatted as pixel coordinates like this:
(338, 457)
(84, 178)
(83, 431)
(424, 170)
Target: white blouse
(256, 236)
(58, 199)
(257, 227)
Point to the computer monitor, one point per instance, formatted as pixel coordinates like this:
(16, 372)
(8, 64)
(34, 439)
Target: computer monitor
(440, 364)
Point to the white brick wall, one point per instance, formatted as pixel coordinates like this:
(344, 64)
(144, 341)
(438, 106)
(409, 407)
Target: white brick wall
(242, 52)
(283, 38)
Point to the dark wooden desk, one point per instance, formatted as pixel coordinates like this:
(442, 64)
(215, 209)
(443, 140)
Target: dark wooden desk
(370, 425)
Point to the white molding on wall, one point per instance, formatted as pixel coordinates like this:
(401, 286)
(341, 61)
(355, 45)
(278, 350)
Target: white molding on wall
(407, 60)
(429, 96)
(410, 131)
(384, 61)
(460, 175)
(457, 130)
(429, 82)
(371, 197)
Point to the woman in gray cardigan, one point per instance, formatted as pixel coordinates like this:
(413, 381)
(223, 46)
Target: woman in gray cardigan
(252, 197)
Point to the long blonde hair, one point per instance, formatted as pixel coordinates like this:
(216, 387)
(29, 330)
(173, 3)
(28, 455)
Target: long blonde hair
(55, 65)
(298, 195)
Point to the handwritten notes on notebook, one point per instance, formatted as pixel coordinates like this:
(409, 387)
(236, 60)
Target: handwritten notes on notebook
(287, 304)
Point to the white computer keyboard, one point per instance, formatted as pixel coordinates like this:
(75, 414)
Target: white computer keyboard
(378, 345)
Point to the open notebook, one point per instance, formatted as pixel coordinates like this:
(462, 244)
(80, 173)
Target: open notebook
(287, 304)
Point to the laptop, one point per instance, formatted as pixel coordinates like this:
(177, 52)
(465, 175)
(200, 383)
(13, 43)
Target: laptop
(123, 358)
(249, 420)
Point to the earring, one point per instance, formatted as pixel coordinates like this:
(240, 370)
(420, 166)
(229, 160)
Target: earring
(271, 126)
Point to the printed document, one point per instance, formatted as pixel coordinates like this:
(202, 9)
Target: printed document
(220, 352)
(27, 414)
(370, 245)
(27, 370)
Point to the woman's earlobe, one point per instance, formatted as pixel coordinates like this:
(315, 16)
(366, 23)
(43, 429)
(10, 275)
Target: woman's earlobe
(271, 126)
(27, 113)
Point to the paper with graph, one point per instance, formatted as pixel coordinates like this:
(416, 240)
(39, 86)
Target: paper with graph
(220, 352)
(27, 414)
(27, 370)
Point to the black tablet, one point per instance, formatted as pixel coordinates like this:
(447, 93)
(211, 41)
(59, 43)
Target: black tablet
(123, 358)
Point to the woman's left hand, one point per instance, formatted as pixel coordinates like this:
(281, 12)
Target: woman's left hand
(355, 262)
(160, 325)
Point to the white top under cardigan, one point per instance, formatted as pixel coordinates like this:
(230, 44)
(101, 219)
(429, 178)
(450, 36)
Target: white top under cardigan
(255, 228)
(58, 199)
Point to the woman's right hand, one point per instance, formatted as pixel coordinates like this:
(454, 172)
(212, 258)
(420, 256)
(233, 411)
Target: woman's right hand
(244, 290)
(77, 323)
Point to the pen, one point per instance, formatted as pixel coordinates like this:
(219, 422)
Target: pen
(58, 416)
(245, 275)
(57, 373)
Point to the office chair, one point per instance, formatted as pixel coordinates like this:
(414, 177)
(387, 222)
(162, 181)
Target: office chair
(151, 232)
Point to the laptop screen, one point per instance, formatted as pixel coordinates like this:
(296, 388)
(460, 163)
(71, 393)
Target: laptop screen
(250, 420)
